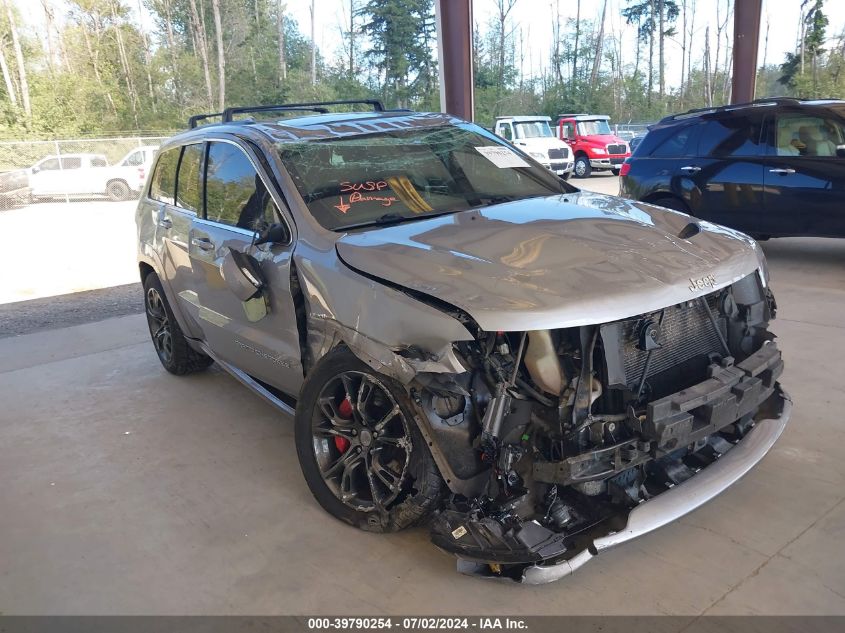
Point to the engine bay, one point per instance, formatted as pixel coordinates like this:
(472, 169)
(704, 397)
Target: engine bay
(552, 437)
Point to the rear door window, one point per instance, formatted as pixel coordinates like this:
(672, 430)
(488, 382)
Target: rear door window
(72, 162)
(98, 161)
(163, 185)
(188, 188)
(731, 136)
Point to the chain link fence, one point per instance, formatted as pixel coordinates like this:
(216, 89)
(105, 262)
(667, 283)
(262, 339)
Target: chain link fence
(628, 131)
(76, 169)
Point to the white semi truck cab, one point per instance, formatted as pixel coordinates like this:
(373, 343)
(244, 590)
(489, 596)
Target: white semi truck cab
(533, 135)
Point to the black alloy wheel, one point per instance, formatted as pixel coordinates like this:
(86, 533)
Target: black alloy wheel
(362, 441)
(173, 349)
(159, 324)
(362, 455)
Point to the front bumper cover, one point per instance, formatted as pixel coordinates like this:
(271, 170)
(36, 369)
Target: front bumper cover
(770, 421)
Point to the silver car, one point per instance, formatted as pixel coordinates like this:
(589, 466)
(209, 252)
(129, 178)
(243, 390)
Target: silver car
(537, 372)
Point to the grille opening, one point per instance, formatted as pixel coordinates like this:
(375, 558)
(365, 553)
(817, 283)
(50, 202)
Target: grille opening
(687, 344)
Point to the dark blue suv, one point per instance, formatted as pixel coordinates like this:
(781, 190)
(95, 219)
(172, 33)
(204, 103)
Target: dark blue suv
(771, 168)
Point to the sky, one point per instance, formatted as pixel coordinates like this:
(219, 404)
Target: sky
(535, 18)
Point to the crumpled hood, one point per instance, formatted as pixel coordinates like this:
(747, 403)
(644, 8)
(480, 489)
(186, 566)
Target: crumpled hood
(561, 261)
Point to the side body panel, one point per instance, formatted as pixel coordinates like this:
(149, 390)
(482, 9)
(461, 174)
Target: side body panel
(803, 193)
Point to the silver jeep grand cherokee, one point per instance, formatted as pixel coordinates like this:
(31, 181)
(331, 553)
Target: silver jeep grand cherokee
(538, 372)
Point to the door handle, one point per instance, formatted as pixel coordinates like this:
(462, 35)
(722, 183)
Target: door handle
(202, 243)
(693, 169)
(165, 223)
(782, 171)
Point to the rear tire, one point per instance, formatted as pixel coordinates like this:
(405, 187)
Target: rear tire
(118, 190)
(173, 350)
(615, 172)
(672, 203)
(582, 168)
(377, 478)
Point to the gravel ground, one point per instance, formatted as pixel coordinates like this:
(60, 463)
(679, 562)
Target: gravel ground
(25, 317)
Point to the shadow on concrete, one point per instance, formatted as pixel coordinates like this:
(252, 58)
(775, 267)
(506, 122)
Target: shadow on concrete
(26, 317)
(805, 251)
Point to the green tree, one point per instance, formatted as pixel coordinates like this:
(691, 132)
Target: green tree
(401, 34)
(810, 46)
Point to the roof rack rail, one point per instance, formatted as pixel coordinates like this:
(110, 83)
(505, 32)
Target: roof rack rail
(192, 122)
(731, 106)
(313, 106)
(227, 116)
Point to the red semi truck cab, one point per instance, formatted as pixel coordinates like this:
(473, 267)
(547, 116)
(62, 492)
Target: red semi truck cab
(594, 144)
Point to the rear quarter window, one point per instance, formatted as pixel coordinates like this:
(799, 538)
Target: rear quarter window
(188, 189)
(163, 182)
(651, 140)
(668, 143)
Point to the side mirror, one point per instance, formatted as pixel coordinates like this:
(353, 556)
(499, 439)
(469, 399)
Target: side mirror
(35, 169)
(273, 234)
(242, 274)
(840, 151)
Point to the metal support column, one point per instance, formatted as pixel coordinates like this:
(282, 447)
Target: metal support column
(746, 42)
(454, 43)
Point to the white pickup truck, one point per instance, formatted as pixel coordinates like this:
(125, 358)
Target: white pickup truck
(533, 135)
(84, 175)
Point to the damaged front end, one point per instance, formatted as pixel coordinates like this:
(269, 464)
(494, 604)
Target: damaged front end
(556, 444)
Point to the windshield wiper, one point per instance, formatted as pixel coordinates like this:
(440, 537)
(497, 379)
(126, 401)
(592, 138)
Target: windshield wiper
(390, 218)
(491, 200)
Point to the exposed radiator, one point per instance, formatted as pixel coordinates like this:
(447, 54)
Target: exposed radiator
(686, 333)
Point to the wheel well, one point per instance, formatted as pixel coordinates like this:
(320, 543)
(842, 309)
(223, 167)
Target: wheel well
(123, 180)
(580, 153)
(145, 269)
(663, 195)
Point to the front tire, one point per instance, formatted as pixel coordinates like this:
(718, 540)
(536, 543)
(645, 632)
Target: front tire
(615, 172)
(359, 448)
(582, 168)
(171, 346)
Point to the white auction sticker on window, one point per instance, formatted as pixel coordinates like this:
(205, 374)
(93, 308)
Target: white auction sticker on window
(501, 156)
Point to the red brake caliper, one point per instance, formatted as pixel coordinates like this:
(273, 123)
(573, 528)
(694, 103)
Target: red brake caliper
(345, 411)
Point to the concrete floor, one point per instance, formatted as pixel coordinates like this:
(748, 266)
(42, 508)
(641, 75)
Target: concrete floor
(129, 491)
(97, 231)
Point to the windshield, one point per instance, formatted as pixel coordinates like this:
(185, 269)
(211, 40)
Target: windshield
(532, 129)
(410, 174)
(591, 128)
